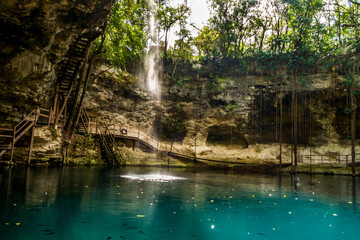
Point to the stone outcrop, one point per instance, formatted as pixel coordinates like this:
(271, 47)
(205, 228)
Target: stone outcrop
(35, 36)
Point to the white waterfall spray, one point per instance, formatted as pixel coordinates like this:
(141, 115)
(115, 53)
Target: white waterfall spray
(152, 57)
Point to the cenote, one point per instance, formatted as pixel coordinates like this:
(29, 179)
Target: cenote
(161, 203)
(181, 120)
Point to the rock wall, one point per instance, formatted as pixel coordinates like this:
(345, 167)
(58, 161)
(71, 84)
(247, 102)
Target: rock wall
(236, 118)
(35, 35)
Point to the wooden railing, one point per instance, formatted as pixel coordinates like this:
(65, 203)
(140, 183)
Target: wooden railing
(106, 136)
(111, 139)
(18, 131)
(106, 145)
(324, 159)
(108, 132)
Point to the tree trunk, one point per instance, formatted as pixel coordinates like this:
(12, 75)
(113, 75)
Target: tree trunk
(166, 41)
(280, 136)
(353, 135)
(262, 37)
(339, 25)
(296, 124)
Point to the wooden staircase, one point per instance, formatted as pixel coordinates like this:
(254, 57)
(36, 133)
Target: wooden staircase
(65, 97)
(68, 73)
(11, 136)
(109, 149)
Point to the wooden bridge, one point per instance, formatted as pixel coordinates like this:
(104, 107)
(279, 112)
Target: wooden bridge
(107, 133)
(118, 131)
(129, 132)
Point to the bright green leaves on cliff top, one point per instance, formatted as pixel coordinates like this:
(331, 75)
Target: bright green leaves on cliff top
(302, 31)
(231, 21)
(126, 34)
(169, 16)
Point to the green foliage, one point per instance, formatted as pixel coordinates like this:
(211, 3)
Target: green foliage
(173, 125)
(230, 108)
(304, 33)
(300, 33)
(205, 42)
(126, 34)
(169, 16)
(305, 82)
(215, 83)
(231, 22)
(347, 110)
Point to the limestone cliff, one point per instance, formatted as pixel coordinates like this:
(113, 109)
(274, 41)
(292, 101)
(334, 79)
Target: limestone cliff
(35, 36)
(235, 117)
(210, 111)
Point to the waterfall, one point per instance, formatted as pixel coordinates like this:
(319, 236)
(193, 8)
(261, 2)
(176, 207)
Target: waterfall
(152, 57)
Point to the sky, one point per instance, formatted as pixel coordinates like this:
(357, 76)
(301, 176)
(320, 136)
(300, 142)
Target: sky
(199, 15)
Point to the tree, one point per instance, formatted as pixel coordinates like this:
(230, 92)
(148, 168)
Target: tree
(205, 42)
(169, 16)
(126, 36)
(300, 15)
(231, 20)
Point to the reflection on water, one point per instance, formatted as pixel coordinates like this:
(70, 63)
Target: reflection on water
(152, 177)
(135, 203)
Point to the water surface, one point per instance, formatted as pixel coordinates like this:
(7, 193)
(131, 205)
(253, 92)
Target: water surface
(135, 203)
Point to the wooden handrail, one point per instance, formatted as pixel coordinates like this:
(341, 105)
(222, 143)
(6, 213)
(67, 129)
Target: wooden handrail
(6, 129)
(6, 136)
(327, 159)
(105, 143)
(44, 109)
(25, 118)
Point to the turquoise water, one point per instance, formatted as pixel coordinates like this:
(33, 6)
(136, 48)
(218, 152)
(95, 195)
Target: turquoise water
(134, 203)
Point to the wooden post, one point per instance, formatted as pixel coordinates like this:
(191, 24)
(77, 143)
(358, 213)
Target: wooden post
(56, 97)
(31, 144)
(56, 110)
(50, 113)
(37, 111)
(12, 146)
(195, 149)
(64, 106)
(280, 134)
(32, 134)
